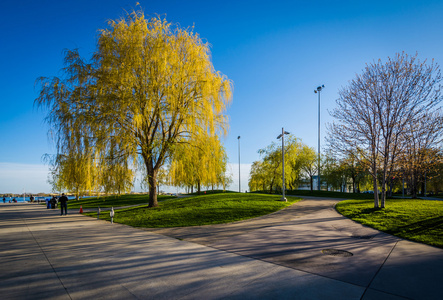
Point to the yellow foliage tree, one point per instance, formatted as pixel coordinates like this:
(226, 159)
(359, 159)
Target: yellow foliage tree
(200, 163)
(150, 85)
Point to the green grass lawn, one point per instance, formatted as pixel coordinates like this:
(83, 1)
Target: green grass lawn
(200, 210)
(412, 219)
(113, 201)
(328, 194)
(209, 192)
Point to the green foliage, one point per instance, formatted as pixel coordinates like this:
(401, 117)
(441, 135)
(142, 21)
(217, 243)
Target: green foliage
(310, 164)
(416, 220)
(300, 161)
(201, 210)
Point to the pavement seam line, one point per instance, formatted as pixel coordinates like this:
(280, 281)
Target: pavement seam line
(41, 249)
(279, 265)
(387, 293)
(379, 269)
(123, 285)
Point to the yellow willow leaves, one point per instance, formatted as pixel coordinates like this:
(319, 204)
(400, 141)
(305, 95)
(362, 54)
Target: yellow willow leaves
(150, 86)
(166, 68)
(203, 162)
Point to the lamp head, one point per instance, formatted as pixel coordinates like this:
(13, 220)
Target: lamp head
(238, 137)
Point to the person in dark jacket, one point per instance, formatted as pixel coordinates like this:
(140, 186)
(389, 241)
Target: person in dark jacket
(53, 202)
(63, 200)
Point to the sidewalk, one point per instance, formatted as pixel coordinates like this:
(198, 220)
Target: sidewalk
(47, 256)
(386, 266)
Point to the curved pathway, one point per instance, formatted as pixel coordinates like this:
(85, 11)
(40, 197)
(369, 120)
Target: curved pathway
(299, 236)
(280, 256)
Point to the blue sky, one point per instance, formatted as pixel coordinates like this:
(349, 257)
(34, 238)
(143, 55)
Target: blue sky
(275, 52)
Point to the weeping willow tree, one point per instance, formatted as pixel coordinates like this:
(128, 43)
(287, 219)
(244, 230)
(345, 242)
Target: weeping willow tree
(149, 85)
(200, 163)
(74, 167)
(75, 173)
(115, 175)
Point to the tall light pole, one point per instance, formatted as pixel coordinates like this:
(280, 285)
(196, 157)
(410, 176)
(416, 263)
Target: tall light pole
(239, 181)
(282, 136)
(317, 91)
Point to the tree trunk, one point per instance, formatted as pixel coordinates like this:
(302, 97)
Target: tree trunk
(152, 179)
(152, 182)
(374, 177)
(383, 190)
(414, 184)
(312, 181)
(198, 186)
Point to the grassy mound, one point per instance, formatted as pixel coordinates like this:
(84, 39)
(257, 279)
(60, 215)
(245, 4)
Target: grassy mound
(113, 201)
(200, 210)
(412, 219)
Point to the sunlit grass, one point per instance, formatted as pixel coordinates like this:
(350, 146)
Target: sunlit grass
(328, 194)
(200, 210)
(113, 201)
(412, 219)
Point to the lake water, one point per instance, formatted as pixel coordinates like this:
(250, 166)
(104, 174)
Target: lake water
(26, 199)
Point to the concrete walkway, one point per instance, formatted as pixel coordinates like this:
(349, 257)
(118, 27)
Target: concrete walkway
(279, 256)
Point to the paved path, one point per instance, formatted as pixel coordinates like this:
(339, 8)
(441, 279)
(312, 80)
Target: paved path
(279, 256)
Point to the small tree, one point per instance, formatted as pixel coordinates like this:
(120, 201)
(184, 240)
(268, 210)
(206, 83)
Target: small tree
(266, 174)
(257, 179)
(310, 164)
(332, 172)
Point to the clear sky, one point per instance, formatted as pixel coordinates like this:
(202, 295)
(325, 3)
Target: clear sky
(275, 52)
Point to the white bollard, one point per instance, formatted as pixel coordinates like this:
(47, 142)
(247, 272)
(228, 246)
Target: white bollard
(111, 213)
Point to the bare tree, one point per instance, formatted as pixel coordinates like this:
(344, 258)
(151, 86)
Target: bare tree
(420, 142)
(373, 112)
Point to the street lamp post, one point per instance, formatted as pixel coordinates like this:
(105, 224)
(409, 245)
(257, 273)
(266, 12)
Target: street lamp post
(282, 136)
(318, 90)
(239, 181)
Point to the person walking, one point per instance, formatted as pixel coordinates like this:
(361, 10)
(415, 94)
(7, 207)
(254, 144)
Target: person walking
(63, 204)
